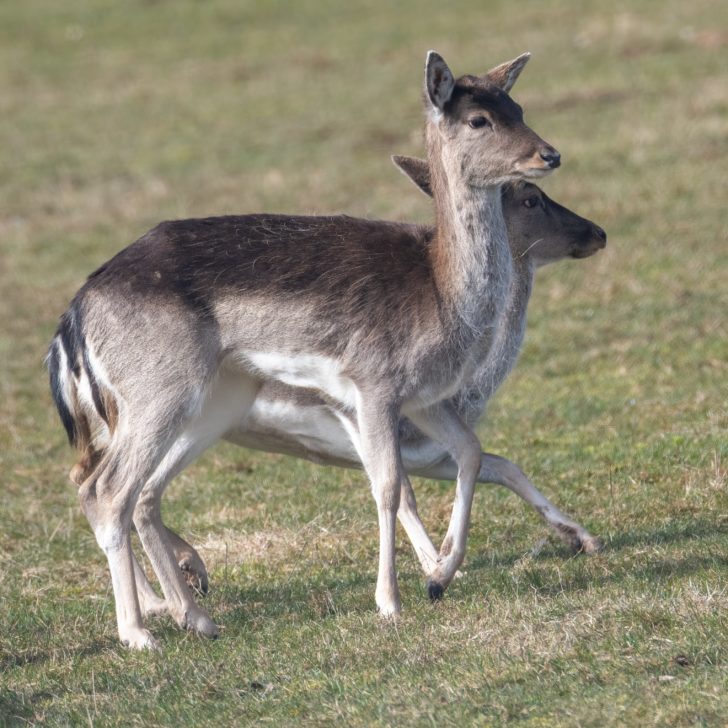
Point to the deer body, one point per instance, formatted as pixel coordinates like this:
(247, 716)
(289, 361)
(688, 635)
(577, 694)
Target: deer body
(166, 347)
(298, 421)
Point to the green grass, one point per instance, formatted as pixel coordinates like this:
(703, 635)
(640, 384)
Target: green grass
(115, 116)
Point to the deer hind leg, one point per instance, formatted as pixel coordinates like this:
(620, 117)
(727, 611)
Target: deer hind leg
(108, 497)
(409, 518)
(178, 599)
(192, 566)
(190, 562)
(443, 424)
(229, 400)
(495, 469)
(150, 604)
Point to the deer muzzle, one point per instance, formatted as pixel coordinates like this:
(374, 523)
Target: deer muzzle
(551, 157)
(541, 162)
(594, 239)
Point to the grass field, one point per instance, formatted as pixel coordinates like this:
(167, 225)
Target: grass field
(116, 116)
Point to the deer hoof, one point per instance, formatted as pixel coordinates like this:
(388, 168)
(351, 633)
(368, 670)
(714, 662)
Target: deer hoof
(199, 622)
(139, 639)
(590, 545)
(435, 591)
(389, 607)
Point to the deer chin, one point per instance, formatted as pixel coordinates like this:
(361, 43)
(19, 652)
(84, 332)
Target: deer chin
(535, 172)
(518, 174)
(586, 252)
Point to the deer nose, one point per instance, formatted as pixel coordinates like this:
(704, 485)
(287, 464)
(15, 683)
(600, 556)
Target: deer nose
(551, 157)
(600, 235)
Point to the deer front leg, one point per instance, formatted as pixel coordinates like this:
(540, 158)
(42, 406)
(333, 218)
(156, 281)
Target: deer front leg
(407, 513)
(379, 443)
(442, 423)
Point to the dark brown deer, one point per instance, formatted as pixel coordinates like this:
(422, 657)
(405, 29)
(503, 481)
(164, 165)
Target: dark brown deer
(300, 422)
(166, 346)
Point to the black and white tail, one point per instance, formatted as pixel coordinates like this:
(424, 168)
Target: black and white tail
(87, 407)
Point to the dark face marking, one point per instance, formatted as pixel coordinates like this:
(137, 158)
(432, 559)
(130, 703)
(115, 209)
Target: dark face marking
(473, 95)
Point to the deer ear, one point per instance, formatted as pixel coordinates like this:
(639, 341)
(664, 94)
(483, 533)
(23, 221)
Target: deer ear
(439, 81)
(505, 75)
(416, 169)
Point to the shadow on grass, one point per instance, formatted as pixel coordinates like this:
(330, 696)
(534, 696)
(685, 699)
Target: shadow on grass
(668, 534)
(33, 657)
(673, 533)
(318, 598)
(14, 710)
(343, 591)
(652, 569)
(653, 574)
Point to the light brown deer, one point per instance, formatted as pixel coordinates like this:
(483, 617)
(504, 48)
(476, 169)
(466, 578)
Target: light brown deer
(300, 422)
(166, 346)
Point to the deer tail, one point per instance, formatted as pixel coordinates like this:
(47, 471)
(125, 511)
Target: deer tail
(86, 405)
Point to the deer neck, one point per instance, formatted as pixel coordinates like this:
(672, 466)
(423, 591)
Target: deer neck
(511, 327)
(496, 363)
(470, 254)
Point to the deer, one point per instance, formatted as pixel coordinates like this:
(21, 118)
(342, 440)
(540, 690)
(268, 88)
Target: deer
(301, 423)
(167, 344)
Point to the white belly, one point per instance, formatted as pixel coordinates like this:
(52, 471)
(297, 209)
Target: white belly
(310, 431)
(309, 371)
(317, 432)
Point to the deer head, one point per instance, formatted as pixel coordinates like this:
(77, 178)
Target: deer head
(537, 226)
(475, 130)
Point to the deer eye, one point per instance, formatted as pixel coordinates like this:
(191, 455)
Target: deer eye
(531, 202)
(478, 122)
